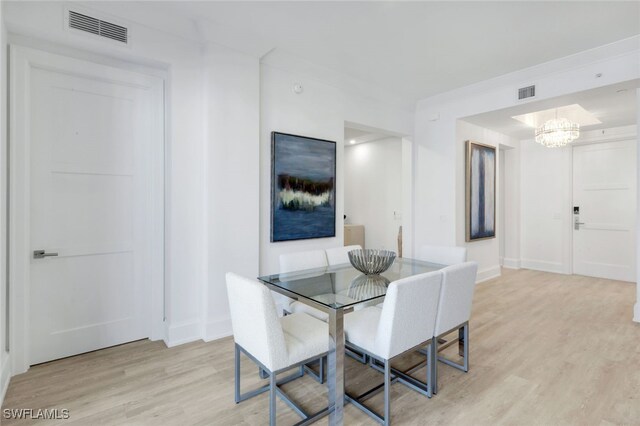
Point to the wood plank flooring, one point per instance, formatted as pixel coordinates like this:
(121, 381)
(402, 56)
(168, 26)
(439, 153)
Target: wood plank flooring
(546, 349)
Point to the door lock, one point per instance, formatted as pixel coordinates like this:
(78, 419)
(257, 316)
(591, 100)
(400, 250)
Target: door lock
(577, 223)
(41, 254)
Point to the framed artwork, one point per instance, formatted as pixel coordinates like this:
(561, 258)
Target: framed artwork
(303, 194)
(481, 191)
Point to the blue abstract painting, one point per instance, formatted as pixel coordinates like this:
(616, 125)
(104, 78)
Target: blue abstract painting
(481, 191)
(303, 173)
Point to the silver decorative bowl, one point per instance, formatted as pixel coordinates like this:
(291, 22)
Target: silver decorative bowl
(371, 261)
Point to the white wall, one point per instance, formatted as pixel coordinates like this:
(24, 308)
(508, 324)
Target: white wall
(439, 156)
(320, 112)
(485, 252)
(511, 219)
(232, 190)
(373, 182)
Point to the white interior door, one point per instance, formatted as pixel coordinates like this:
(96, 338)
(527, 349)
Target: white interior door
(91, 179)
(604, 190)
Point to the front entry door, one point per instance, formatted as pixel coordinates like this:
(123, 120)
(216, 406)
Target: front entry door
(92, 141)
(604, 199)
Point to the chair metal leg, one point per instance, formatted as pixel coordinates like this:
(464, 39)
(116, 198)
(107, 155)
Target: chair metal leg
(392, 375)
(262, 374)
(361, 358)
(274, 390)
(319, 377)
(237, 374)
(272, 399)
(463, 332)
(429, 372)
(465, 353)
(434, 366)
(404, 377)
(387, 389)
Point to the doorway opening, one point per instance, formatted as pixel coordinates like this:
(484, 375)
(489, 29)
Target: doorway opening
(377, 189)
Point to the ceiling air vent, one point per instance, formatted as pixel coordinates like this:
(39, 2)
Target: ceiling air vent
(98, 27)
(526, 92)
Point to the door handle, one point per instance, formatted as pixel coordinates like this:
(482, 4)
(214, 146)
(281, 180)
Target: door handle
(41, 254)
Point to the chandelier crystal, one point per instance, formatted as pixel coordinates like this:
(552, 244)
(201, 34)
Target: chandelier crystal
(557, 132)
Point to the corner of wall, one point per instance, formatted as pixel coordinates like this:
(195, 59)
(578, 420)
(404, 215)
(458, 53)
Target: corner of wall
(511, 263)
(183, 332)
(217, 329)
(488, 274)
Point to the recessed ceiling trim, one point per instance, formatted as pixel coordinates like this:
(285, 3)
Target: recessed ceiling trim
(573, 112)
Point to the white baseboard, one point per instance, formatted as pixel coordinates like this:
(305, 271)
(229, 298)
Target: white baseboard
(183, 332)
(542, 265)
(217, 329)
(511, 263)
(488, 274)
(636, 312)
(5, 377)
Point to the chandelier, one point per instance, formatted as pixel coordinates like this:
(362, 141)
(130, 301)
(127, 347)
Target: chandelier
(557, 132)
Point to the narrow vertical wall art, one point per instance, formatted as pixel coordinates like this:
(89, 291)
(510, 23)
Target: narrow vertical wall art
(481, 191)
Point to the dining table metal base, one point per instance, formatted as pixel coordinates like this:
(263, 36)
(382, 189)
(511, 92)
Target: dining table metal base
(335, 370)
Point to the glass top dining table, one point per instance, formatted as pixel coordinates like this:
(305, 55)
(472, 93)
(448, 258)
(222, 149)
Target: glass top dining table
(335, 290)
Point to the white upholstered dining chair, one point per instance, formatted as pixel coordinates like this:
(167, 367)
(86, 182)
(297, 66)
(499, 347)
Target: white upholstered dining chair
(443, 255)
(340, 255)
(454, 311)
(299, 261)
(274, 344)
(385, 333)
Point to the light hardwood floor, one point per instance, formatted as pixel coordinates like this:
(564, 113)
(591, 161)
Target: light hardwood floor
(545, 349)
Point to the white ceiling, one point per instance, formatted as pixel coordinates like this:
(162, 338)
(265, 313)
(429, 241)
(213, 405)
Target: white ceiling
(417, 49)
(613, 106)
